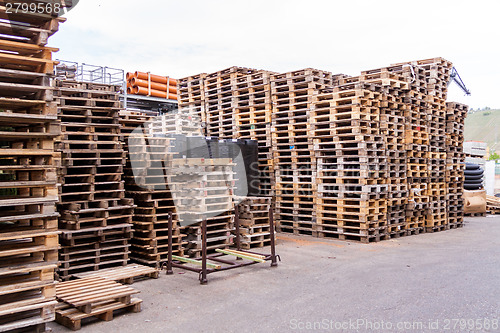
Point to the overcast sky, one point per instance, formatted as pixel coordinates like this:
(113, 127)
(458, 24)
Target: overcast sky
(181, 38)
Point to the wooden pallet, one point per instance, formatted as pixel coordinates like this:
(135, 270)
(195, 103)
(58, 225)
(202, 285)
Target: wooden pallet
(26, 57)
(28, 316)
(86, 292)
(32, 28)
(72, 318)
(126, 274)
(254, 210)
(492, 204)
(27, 293)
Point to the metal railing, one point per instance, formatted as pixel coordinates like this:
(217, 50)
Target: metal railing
(89, 73)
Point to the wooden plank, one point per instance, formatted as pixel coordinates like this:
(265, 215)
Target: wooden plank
(12, 117)
(17, 74)
(28, 201)
(258, 256)
(27, 268)
(27, 250)
(26, 152)
(195, 262)
(26, 184)
(239, 255)
(18, 87)
(12, 311)
(27, 234)
(16, 46)
(27, 135)
(21, 60)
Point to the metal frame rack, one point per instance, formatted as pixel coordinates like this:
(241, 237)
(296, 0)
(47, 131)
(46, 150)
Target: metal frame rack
(107, 75)
(91, 73)
(217, 264)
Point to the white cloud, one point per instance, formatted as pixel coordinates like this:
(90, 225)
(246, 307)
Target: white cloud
(181, 38)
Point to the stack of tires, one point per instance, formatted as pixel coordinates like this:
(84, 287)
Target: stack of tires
(473, 177)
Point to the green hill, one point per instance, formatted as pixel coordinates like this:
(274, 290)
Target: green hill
(484, 126)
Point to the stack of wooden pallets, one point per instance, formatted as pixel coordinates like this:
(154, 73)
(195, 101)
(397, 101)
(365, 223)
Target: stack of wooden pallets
(429, 81)
(203, 188)
(147, 159)
(388, 137)
(437, 72)
(131, 120)
(352, 163)
(191, 97)
(219, 90)
(405, 96)
(180, 122)
(252, 109)
(234, 103)
(293, 152)
(28, 191)
(162, 180)
(253, 215)
(390, 86)
(417, 148)
(95, 215)
(392, 124)
(455, 163)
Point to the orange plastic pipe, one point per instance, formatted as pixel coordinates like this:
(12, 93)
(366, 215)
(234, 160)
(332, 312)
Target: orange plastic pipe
(130, 76)
(156, 93)
(155, 78)
(154, 85)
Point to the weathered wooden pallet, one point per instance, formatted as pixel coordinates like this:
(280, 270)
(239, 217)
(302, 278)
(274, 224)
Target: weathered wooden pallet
(26, 57)
(34, 316)
(96, 234)
(256, 243)
(86, 292)
(324, 232)
(65, 274)
(23, 290)
(75, 260)
(34, 28)
(126, 274)
(28, 247)
(72, 318)
(153, 256)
